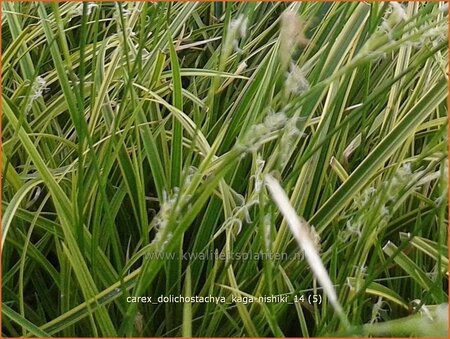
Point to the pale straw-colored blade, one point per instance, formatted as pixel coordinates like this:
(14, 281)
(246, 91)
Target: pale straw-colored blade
(300, 229)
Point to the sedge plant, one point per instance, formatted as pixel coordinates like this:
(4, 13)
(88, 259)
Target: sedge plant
(235, 150)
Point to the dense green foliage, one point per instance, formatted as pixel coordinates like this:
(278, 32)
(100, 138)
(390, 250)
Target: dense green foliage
(132, 130)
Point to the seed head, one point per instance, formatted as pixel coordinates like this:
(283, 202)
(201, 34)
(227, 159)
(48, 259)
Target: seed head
(296, 81)
(291, 35)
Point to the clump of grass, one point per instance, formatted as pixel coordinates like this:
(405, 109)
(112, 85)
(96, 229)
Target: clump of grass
(138, 136)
